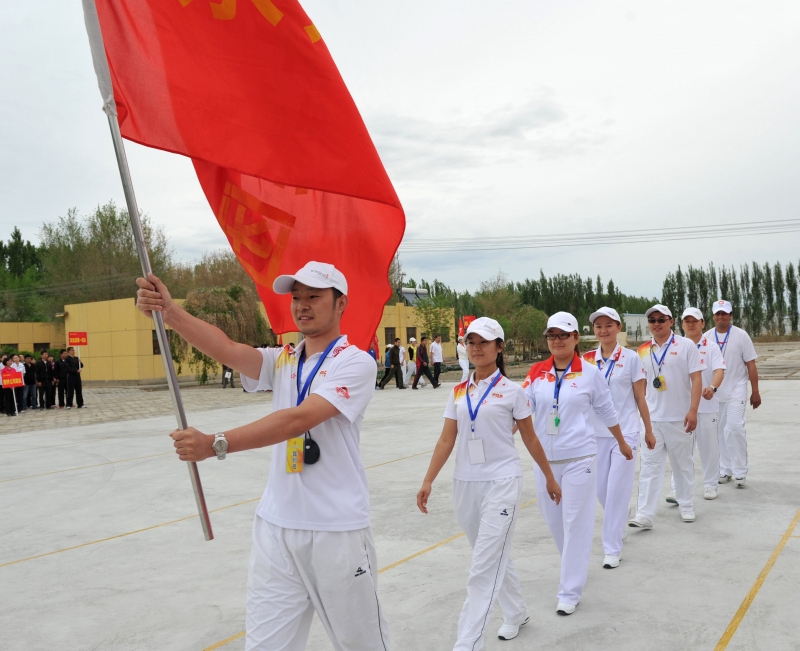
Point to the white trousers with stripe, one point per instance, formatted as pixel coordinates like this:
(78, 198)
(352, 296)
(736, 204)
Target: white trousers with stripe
(673, 442)
(487, 511)
(733, 438)
(294, 572)
(571, 522)
(615, 479)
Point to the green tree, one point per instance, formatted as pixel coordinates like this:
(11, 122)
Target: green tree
(526, 327)
(756, 301)
(780, 298)
(791, 288)
(436, 316)
(769, 298)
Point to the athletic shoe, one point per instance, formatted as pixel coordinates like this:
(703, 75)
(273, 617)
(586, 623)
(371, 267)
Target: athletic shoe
(415, 388)
(740, 482)
(640, 522)
(709, 493)
(610, 562)
(672, 498)
(510, 631)
(565, 608)
(69, 407)
(724, 479)
(688, 516)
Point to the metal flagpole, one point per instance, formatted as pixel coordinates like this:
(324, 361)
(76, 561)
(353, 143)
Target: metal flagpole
(161, 333)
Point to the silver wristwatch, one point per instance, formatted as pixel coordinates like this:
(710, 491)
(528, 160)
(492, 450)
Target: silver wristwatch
(220, 445)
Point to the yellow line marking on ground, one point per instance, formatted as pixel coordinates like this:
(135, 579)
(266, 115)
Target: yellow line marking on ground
(96, 465)
(410, 456)
(233, 638)
(739, 616)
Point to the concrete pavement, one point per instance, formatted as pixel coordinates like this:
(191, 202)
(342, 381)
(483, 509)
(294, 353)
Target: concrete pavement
(99, 548)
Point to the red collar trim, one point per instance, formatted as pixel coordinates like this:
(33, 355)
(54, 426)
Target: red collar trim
(547, 366)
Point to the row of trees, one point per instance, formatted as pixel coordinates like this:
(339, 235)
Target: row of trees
(762, 295)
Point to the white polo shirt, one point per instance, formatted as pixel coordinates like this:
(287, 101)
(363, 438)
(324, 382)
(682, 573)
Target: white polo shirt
(681, 359)
(736, 351)
(711, 360)
(505, 403)
(332, 494)
(402, 355)
(461, 351)
(436, 352)
(583, 391)
(627, 369)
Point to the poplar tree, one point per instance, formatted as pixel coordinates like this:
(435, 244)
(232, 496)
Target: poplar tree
(780, 298)
(769, 297)
(791, 288)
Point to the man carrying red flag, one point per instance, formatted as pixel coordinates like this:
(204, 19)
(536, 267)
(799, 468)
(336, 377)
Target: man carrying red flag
(312, 544)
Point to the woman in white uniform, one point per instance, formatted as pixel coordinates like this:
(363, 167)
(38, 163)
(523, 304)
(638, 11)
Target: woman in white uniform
(624, 373)
(487, 484)
(463, 359)
(563, 391)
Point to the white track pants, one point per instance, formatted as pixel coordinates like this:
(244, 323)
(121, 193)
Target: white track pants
(571, 522)
(671, 441)
(294, 572)
(464, 364)
(732, 438)
(705, 438)
(487, 510)
(408, 372)
(615, 478)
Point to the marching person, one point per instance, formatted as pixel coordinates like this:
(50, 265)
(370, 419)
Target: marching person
(437, 358)
(62, 373)
(423, 366)
(740, 361)
(487, 482)
(674, 386)
(387, 366)
(463, 359)
(395, 369)
(706, 435)
(312, 545)
(74, 385)
(624, 374)
(563, 392)
(411, 361)
(45, 381)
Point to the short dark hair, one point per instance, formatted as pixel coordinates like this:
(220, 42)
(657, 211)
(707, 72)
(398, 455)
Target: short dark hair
(44, 350)
(28, 356)
(424, 337)
(63, 350)
(397, 339)
(70, 348)
(336, 294)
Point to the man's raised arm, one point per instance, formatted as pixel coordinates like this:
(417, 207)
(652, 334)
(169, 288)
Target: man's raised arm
(153, 295)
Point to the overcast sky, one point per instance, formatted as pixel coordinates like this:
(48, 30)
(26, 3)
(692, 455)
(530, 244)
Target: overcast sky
(492, 118)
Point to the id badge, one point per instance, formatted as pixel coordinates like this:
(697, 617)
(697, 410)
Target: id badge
(294, 454)
(663, 385)
(476, 455)
(552, 424)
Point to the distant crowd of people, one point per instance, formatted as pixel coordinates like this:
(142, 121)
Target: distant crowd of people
(409, 365)
(44, 379)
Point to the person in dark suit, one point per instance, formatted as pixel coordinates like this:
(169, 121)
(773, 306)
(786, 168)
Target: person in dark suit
(61, 374)
(424, 364)
(395, 369)
(74, 386)
(46, 381)
(29, 390)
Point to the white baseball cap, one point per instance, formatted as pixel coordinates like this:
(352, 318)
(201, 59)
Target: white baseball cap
(563, 321)
(722, 306)
(610, 312)
(487, 328)
(693, 311)
(414, 339)
(659, 308)
(313, 274)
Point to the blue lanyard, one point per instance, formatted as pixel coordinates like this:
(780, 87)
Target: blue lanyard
(474, 414)
(301, 395)
(725, 341)
(559, 382)
(663, 354)
(613, 361)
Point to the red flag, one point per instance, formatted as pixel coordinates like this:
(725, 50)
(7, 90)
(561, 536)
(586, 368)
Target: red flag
(249, 91)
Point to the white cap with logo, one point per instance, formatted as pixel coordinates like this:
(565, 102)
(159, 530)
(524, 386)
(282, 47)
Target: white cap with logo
(693, 311)
(563, 321)
(313, 274)
(610, 312)
(722, 306)
(659, 308)
(487, 328)
(413, 340)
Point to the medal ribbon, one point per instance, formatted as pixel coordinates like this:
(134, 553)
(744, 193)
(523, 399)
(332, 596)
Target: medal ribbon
(663, 354)
(474, 415)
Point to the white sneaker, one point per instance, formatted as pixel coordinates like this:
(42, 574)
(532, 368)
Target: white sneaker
(640, 522)
(688, 516)
(709, 493)
(610, 562)
(740, 482)
(510, 631)
(724, 479)
(672, 498)
(565, 608)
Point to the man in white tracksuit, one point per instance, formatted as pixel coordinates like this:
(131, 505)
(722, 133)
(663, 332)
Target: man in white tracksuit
(312, 545)
(705, 436)
(674, 387)
(740, 360)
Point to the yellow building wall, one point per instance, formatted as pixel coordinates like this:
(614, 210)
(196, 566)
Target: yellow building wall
(25, 335)
(400, 317)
